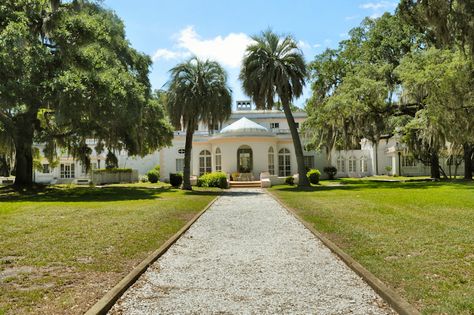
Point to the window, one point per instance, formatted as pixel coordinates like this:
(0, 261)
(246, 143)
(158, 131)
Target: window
(181, 151)
(284, 166)
(274, 125)
(46, 169)
(352, 164)
(308, 162)
(271, 161)
(363, 165)
(205, 165)
(179, 165)
(408, 160)
(341, 165)
(67, 171)
(218, 160)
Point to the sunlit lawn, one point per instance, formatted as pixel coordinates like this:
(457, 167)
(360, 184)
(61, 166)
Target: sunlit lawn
(418, 237)
(62, 248)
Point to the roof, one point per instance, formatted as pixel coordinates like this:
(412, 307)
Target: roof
(245, 126)
(265, 114)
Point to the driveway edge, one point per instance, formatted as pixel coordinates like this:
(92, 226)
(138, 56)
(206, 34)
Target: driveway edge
(394, 300)
(109, 299)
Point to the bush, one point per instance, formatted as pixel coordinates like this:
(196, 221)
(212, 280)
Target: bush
(144, 178)
(153, 176)
(157, 168)
(388, 168)
(331, 171)
(290, 180)
(313, 176)
(216, 179)
(112, 170)
(176, 179)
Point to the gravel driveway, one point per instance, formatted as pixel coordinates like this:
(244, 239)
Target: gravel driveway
(248, 255)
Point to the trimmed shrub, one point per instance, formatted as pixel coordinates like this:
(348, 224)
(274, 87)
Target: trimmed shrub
(290, 180)
(112, 170)
(157, 168)
(331, 171)
(144, 178)
(216, 179)
(313, 176)
(153, 176)
(176, 179)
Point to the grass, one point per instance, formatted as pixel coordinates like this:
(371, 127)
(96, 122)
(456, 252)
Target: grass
(418, 237)
(62, 248)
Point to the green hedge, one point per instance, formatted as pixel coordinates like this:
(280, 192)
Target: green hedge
(216, 179)
(290, 180)
(313, 176)
(153, 176)
(112, 170)
(176, 179)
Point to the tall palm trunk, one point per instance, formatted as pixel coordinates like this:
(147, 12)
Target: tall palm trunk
(303, 179)
(188, 146)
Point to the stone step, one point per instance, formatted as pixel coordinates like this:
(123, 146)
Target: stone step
(245, 184)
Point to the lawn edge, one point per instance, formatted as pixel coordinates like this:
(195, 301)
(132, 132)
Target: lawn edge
(108, 300)
(393, 299)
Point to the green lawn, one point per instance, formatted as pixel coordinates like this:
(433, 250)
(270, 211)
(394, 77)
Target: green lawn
(62, 248)
(418, 237)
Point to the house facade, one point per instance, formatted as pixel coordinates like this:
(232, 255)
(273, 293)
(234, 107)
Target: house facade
(249, 143)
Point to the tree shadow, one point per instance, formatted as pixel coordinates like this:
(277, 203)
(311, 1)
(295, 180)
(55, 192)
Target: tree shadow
(87, 194)
(372, 184)
(42, 193)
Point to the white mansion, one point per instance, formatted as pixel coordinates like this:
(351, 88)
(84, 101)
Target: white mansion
(251, 142)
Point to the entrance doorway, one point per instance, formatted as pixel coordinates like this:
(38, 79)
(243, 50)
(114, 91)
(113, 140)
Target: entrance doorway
(244, 159)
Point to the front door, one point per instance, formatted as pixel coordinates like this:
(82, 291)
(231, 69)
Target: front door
(244, 159)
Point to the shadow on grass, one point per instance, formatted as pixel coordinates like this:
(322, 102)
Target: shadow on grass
(92, 194)
(355, 185)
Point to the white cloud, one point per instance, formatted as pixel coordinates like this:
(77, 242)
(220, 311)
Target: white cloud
(378, 8)
(317, 45)
(380, 5)
(303, 44)
(343, 35)
(228, 50)
(169, 54)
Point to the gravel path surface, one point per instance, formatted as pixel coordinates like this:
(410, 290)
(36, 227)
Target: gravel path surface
(248, 255)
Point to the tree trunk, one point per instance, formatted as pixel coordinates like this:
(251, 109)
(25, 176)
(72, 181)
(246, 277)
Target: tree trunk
(188, 146)
(468, 149)
(4, 166)
(24, 153)
(434, 159)
(303, 179)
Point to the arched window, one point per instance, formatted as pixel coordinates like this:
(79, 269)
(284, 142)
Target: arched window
(341, 164)
(218, 160)
(284, 165)
(205, 165)
(363, 164)
(352, 164)
(271, 161)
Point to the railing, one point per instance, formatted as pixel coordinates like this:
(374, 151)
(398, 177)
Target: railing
(216, 132)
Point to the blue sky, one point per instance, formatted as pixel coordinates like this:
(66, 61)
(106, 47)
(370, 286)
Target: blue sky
(171, 31)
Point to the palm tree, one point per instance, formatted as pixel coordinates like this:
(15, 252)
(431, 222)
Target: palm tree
(274, 66)
(197, 92)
